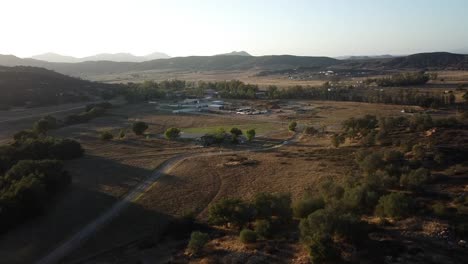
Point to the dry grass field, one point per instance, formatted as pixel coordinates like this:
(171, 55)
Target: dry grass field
(111, 168)
(198, 182)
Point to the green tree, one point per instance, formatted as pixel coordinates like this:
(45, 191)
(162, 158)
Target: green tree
(24, 135)
(396, 205)
(230, 211)
(106, 135)
(337, 140)
(250, 134)
(122, 133)
(263, 228)
(322, 250)
(270, 205)
(235, 132)
(139, 128)
(197, 241)
(304, 207)
(172, 133)
(292, 126)
(248, 236)
(41, 127)
(415, 179)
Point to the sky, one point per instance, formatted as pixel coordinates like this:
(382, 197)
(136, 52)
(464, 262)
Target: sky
(206, 27)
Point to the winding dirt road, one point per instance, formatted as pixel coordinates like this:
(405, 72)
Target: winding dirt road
(79, 238)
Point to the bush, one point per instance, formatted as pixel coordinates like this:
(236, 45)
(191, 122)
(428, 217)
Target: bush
(24, 135)
(26, 188)
(197, 241)
(122, 133)
(106, 135)
(439, 209)
(86, 116)
(304, 207)
(292, 126)
(250, 134)
(270, 205)
(139, 128)
(337, 140)
(360, 198)
(415, 178)
(230, 211)
(322, 250)
(248, 236)
(355, 127)
(172, 133)
(45, 124)
(49, 148)
(236, 131)
(371, 163)
(263, 228)
(419, 151)
(310, 130)
(369, 139)
(396, 205)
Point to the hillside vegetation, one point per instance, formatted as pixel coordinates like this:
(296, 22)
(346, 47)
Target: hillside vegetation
(31, 86)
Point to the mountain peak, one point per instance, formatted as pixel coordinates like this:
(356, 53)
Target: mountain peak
(236, 53)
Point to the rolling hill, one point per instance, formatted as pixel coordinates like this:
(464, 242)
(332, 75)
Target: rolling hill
(32, 86)
(436, 60)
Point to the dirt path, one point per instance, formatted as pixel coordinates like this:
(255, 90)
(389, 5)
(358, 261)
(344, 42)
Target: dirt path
(76, 240)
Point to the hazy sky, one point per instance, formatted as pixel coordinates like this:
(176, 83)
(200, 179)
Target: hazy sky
(206, 27)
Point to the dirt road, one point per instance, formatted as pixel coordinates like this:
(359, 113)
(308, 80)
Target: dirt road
(76, 240)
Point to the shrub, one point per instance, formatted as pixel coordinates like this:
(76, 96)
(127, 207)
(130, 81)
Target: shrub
(45, 124)
(122, 134)
(396, 205)
(49, 148)
(371, 163)
(197, 241)
(337, 140)
(420, 122)
(250, 134)
(41, 127)
(439, 209)
(310, 130)
(268, 205)
(419, 151)
(106, 135)
(26, 188)
(330, 190)
(263, 228)
(415, 178)
(248, 236)
(230, 211)
(292, 126)
(304, 207)
(24, 135)
(50, 173)
(360, 126)
(236, 131)
(139, 128)
(360, 198)
(172, 133)
(322, 250)
(369, 139)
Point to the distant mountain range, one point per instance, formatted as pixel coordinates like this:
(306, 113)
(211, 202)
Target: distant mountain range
(233, 61)
(116, 57)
